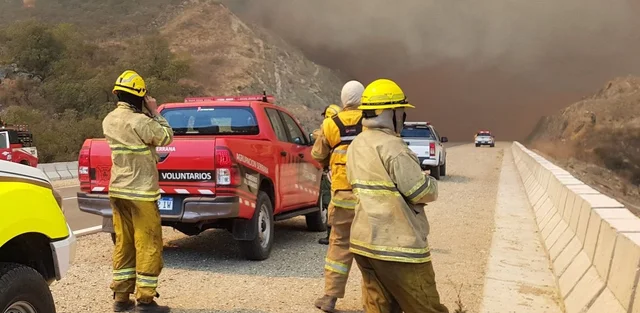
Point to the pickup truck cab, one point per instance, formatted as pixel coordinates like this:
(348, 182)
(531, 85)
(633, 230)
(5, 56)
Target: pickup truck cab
(16, 145)
(484, 138)
(423, 139)
(236, 163)
(37, 246)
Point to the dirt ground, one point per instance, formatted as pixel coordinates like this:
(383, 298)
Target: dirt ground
(206, 274)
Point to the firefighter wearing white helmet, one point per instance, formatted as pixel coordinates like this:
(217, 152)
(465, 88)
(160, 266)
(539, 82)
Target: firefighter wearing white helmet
(390, 227)
(133, 130)
(338, 133)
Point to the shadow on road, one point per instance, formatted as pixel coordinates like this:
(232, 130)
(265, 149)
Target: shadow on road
(295, 253)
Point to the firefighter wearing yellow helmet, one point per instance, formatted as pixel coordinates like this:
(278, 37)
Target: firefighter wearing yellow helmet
(390, 227)
(133, 130)
(325, 185)
(339, 132)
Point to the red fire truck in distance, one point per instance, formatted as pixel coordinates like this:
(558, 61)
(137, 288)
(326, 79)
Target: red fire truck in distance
(16, 145)
(236, 163)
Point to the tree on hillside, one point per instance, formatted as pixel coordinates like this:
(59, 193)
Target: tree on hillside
(33, 47)
(71, 92)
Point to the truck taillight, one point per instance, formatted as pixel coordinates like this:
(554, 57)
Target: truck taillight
(84, 165)
(432, 148)
(227, 172)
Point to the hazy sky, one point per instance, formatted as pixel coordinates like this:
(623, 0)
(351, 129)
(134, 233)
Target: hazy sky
(467, 64)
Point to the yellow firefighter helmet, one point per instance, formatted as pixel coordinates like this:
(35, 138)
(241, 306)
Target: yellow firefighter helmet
(129, 81)
(383, 94)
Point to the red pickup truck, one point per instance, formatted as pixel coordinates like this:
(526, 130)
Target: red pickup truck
(236, 163)
(16, 145)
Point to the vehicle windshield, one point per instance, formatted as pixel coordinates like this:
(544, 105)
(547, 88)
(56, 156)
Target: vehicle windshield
(212, 121)
(483, 134)
(417, 132)
(4, 143)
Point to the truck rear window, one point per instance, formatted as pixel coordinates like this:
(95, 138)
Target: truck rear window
(212, 121)
(416, 132)
(4, 143)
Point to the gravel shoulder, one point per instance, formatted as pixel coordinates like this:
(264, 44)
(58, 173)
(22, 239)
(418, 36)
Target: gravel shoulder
(206, 274)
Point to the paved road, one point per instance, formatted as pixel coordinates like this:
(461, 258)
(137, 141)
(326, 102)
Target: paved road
(206, 273)
(76, 219)
(80, 220)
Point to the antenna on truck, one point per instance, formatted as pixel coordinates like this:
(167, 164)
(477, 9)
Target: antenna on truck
(264, 96)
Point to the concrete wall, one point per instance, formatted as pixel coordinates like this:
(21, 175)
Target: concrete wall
(60, 171)
(592, 240)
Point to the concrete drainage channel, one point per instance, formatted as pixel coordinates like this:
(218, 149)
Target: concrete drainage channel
(592, 240)
(60, 170)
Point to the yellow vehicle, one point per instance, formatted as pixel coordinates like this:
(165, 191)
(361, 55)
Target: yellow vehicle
(37, 246)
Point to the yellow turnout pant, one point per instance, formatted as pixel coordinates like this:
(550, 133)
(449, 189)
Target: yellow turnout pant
(137, 255)
(394, 287)
(339, 259)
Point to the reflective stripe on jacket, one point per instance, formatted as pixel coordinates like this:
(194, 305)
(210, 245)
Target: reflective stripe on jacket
(390, 222)
(132, 138)
(337, 134)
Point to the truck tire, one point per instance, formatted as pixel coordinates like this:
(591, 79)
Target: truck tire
(113, 238)
(492, 145)
(259, 248)
(477, 145)
(23, 289)
(443, 169)
(435, 172)
(317, 221)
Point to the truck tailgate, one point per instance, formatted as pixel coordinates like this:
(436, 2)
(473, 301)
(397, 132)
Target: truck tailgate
(186, 166)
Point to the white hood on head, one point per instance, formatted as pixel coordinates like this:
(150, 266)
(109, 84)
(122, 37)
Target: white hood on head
(351, 95)
(385, 120)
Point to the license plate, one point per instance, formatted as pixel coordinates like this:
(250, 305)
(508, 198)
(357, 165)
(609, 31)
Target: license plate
(165, 204)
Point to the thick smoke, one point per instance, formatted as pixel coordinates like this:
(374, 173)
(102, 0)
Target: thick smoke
(467, 64)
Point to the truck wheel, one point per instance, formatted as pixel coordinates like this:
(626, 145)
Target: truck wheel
(113, 238)
(24, 290)
(492, 145)
(435, 172)
(443, 169)
(259, 248)
(317, 221)
(477, 145)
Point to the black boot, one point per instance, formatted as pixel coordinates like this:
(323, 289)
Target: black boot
(325, 241)
(124, 306)
(152, 307)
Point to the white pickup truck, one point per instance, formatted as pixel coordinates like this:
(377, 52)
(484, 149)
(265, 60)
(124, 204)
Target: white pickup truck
(485, 138)
(423, 139)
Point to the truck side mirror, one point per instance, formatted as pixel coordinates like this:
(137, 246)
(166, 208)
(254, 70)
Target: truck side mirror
(444, 139)
(312, 138)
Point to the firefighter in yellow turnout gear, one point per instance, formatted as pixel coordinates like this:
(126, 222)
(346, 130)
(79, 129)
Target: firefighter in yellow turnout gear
(337, 134)
(390, 227)
(328, 112)
(133, 130)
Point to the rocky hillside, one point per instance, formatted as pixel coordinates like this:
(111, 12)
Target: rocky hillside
(599, 138)
(59, 58)
(231, 57)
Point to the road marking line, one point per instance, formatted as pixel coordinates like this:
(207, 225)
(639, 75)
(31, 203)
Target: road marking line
(68, 187)
(87, 231)
(69, 198)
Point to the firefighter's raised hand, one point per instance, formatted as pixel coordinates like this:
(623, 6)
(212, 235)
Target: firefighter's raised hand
(151, 105)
